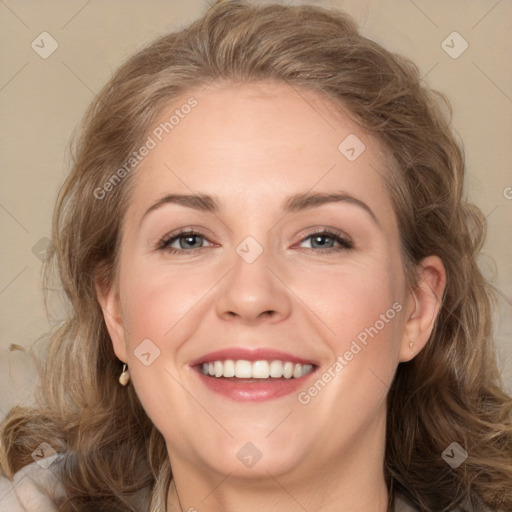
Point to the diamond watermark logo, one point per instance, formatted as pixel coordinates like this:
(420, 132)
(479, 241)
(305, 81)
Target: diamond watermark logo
(44, 455)
(249, 455)
(249, 249)
(454, 455)
(40, 249)
(147, 352)
(44, 45)
(352, 147)
(454, 45)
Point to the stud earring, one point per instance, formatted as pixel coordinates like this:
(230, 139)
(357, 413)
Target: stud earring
(411, 344)
(124, 378)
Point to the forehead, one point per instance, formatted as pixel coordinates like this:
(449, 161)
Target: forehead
(267, 121)
(258, 141)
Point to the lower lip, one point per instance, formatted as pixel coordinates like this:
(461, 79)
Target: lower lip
(251, 391)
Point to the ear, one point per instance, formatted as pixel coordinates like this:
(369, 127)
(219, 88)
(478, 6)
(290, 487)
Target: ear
(423, 307)
(108, 297)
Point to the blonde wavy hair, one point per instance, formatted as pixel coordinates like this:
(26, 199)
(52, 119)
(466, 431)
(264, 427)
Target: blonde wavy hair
(450, 392)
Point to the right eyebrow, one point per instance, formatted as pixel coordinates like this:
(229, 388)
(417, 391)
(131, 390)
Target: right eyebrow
(201, 202)
(196, 201)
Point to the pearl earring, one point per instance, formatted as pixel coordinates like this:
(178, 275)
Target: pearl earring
(124, 378)
(411, 344)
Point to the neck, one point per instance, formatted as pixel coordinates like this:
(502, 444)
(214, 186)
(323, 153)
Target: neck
(240, 498)
(357, 483)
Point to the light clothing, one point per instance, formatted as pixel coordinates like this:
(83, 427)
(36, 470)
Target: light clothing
(35, 488)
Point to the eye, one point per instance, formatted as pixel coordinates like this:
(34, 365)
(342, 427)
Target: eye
(183, 241)
(328, 241)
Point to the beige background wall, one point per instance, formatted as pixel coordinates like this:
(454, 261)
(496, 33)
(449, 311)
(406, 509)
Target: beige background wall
(42, 100)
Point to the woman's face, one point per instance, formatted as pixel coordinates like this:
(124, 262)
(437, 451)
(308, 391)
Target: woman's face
(258, 173)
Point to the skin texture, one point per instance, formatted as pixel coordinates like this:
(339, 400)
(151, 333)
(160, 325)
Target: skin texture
(251, 146)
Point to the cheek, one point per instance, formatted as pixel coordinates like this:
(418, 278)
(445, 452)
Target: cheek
(364, 311)
(361, 312)
(160, 312)
(354, 303)
(155, 300)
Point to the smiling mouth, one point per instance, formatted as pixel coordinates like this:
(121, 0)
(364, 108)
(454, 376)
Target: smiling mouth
(254, 371)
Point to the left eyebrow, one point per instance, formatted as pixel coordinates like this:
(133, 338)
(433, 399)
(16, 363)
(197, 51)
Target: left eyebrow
(305, 201)
(292, 204)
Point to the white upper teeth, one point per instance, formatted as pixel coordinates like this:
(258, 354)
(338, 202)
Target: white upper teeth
(243, 369)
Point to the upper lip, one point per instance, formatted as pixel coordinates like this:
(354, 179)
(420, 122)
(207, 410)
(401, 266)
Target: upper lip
(258, 354)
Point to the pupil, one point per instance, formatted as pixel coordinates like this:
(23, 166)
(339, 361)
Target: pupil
(318, 240)
(191, 239)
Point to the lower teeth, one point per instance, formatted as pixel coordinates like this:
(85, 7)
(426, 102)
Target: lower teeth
(251, 379)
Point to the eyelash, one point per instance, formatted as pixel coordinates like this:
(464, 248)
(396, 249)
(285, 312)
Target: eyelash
(344, 243)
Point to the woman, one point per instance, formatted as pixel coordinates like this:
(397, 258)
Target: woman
(275, 303)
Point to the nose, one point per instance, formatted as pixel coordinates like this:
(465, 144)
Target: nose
(253, 292)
